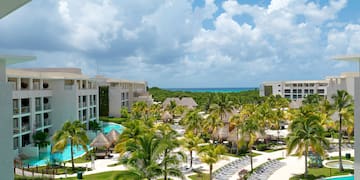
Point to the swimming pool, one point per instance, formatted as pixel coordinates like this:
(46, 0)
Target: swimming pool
(107, 127)
(341, 178)
(45, 157)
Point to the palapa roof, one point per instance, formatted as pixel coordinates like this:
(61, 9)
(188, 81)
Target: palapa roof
(100, 141)
(113, 136)
(188, 101)
(166, 116)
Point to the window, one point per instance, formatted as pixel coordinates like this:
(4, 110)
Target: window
(287, 91)
(15, 106)
(15, 143)
(38, 104)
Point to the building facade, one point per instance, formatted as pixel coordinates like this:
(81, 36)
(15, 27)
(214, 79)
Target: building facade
(298, 90)
(123, 94)
(43, 99)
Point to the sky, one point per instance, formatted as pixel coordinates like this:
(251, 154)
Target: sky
(187, 43)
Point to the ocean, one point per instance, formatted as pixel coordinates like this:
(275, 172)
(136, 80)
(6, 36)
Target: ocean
(214, 90)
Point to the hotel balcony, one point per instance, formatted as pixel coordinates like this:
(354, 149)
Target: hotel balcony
(16, 130)
(25, 127)
(15, 111)
(47, 106)
(25, 109)
(37, 108)
(47, 122)
(38, 125)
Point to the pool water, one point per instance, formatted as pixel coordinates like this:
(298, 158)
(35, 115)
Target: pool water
(341, 178)
(45, 157)
(107, 127)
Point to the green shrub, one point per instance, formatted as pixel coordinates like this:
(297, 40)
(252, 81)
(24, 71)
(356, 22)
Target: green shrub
(261, 147)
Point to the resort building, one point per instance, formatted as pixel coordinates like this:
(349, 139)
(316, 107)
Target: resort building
(297, 90)
(6, 169)
(118, 94)
(43, 99)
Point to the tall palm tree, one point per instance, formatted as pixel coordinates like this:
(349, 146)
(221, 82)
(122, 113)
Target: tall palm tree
(139, 110)
(142, 161)
(221, 108)
(314, 99)
(211, 154)
(73, 132)
(132, 131)
(212, 124)
(249, 130)
(193, 121)
(305, 132)
(236, 121)
(191, 142)
(278, 106)
(342, 102)
(171, 158)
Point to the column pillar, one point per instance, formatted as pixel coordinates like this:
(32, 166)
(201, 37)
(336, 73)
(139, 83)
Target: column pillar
(357, 128)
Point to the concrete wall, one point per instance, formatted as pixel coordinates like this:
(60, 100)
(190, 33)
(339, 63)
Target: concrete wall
(6, 151)
(64, 103)
(115, 101)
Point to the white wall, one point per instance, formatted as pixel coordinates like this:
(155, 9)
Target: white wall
(6, 152)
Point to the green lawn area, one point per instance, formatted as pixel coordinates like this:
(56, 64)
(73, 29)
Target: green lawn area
(59, 170)
(200, 176)
(343, 158)
(242, 155)
(317, 173)
(112, 119)
(103, 176)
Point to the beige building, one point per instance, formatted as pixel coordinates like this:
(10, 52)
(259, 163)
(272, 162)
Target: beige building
(297, 90)
(123, 93)
(44, 98)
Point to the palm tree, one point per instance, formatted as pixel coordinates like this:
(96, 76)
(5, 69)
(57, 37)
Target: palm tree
(191, 142)
(211, 154)
(342, 102)
(277, 105)
(130, 135)
(73, 132)
(236, 121)
(139, 110)
(142, 161)
(212, 124)
(249, 130)
(40, 139)
(223, 107)
(314, 99)
(171, 158)
(193, 121)
(306, 131)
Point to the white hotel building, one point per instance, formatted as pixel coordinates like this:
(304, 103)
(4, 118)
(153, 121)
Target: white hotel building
(43, 99)
(298, 90)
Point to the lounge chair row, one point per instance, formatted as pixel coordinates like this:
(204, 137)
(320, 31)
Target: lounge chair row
(266, 169)
(228, 170)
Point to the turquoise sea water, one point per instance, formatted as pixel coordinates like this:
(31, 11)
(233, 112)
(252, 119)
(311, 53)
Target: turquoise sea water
(45, 157)
(341, 178)
(215, 90)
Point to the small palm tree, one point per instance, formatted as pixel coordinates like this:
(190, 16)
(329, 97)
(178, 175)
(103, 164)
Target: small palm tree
(305, 132)
(342, 104)
(132, 131)
(41, 139)
(211, 154)
(142, 162)
(73, 132)
(191, 142)
(193, 121)
(212, 124)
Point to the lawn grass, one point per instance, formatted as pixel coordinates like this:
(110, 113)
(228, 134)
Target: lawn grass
(241, 155)
(343, 158)
(113, 119)
(102, 176)
(317, 173)
(58, 171)
(200, 176)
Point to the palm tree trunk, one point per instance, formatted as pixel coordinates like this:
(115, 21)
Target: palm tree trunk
(251, 160)
(237, 140)
(306, 168)
(72, 155)
(211, 167)
(165, 164)
(341, 168)
(191, 159)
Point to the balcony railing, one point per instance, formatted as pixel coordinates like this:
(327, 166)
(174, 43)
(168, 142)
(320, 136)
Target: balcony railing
(47, 106)
(84, 104)
(47, 122)
(37, 108)
(25, 127)
(25, 109)
(15, 111)
(16, 130)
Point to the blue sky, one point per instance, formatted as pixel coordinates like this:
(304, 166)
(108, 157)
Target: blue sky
(188, 43)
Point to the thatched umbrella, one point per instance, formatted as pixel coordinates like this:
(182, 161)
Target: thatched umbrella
(166, 116)
(100, 141)
(113, 136)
